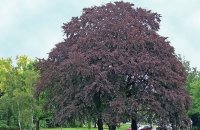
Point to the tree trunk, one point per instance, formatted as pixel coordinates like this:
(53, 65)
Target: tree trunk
(112, 127)
(95, 123)
(31, 117)
(100, 123)
(133, 124)
(89, 120)
(37, 124)
(37, 119)
(19, 116)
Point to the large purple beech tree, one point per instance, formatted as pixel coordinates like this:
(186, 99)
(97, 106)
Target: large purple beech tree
(112, 64)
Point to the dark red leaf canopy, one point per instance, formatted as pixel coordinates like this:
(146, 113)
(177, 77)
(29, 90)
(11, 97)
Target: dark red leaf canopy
(111, 50)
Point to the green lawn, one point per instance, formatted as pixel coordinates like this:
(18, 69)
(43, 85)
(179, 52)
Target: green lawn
(67, 129)
(123, 127)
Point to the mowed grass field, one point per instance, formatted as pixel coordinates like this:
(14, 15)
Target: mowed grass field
(122, 127)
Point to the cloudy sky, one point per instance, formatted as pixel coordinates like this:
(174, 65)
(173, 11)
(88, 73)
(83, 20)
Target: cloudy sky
(33, 27)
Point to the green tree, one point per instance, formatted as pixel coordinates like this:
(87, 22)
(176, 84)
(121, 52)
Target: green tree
(193, 87)
(7, 77)
(17, 86)
(195, 92)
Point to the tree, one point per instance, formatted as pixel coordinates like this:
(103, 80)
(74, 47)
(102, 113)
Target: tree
(6, 86)
(18, 85)
(193, 86)
(113, 62)
(195, 89)
(27, 76)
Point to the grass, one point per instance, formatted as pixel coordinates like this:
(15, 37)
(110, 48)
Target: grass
(123, 127)
(67, 129)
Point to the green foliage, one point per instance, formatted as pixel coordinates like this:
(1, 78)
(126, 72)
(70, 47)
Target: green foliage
(195, 92)
(17, 88)
(193, 87)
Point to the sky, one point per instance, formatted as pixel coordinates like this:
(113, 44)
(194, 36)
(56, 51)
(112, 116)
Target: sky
(33, 27)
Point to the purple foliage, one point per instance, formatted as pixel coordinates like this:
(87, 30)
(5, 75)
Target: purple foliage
(113, 62)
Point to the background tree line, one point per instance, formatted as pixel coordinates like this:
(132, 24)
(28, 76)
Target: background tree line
(19, 108)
